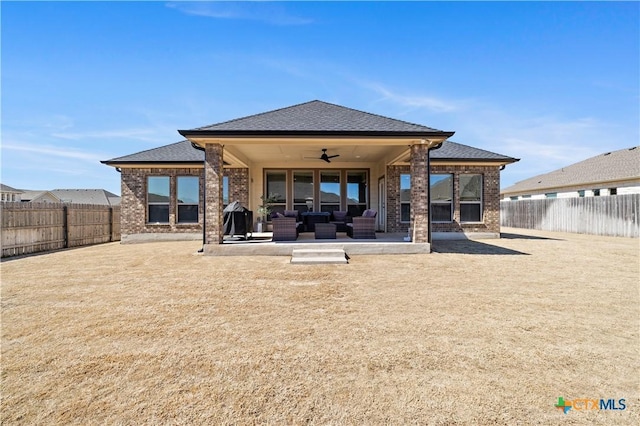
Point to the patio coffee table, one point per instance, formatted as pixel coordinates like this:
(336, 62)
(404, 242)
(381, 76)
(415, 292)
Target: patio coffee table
(325, 231)
(311, 218)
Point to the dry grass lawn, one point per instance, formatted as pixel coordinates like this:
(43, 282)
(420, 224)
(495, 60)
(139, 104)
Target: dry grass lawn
(476, 333)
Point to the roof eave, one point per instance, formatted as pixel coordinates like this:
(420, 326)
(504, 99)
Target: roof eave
(309, 133)
(507, 160)
(146, 163)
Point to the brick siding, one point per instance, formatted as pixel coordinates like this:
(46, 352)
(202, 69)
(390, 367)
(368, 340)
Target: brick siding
(134, 198)
(238, 185)
(393, 198)
(134, 201)
(490, 196)
(490, 199)
(419, 200)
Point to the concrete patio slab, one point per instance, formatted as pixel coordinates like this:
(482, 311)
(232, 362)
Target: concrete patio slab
(261, 245)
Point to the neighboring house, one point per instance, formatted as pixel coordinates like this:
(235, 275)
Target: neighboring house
(39, 197)
(87, 196)
(8, 193)
(72, 196)
(611, 173)
(179, 190)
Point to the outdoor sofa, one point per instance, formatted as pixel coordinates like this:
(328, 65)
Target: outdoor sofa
(340, 219)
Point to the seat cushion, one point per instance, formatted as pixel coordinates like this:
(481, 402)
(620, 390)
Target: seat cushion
(369, 213)
(291, 213)
(339, 216)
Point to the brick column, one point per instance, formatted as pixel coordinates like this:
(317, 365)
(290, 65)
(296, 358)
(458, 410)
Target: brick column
(419, 187)
(213, 232)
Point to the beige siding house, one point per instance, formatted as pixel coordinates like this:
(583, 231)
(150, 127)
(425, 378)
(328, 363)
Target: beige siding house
(10, 194)
(610, 173)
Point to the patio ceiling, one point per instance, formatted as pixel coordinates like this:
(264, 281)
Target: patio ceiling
(279, 153)
(242, 152)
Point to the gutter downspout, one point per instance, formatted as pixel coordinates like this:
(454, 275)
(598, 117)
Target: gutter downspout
(204, 199)
(429, 240)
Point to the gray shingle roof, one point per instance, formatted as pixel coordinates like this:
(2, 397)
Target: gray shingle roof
(184, 152)
(314, 117)
(6, 188)
(623, 164)
(457, 151)
(310, 118)
(179, 152)
(86, 196)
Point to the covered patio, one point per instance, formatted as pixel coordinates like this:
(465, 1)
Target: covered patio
(280, 147)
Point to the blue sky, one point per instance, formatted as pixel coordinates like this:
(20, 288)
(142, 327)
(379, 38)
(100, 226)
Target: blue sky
(550, 83)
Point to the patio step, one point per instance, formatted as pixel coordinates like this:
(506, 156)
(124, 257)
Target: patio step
(318, 256)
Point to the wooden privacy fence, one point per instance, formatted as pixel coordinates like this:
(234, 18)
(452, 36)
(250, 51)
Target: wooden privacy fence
(34, 227)
(615, 215)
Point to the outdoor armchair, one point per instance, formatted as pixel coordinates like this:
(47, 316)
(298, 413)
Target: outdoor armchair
(284, 229)
(362, 227)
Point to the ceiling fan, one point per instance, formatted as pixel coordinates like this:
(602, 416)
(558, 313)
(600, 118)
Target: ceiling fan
(326, 157)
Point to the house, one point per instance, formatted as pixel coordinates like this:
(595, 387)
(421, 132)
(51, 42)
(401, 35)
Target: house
(72, 196)
(312, 156)
(610, 173)
(8, 193)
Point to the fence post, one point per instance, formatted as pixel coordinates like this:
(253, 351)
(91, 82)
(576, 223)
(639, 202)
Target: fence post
(65, 225)
(110, 224)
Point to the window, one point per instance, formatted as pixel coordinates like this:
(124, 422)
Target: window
(158, 199)
(329, 191)
(596, 192)
(356, 192)
(276, 186)
(581, 193)
(613, 191)
(470, 198)
(225, 191)
(551, 195)
(303, 191)
(405, 198)
(188, 198)
(318, 190)
(441, 197)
